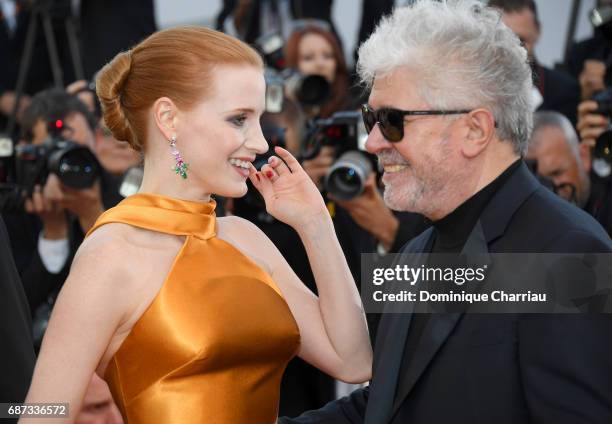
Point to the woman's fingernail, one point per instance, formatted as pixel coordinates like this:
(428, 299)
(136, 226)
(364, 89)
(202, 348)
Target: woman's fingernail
(269, 174)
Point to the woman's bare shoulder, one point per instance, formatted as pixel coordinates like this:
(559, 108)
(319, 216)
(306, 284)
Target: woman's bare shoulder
(248, 238)
(120, 250)
(242, 230)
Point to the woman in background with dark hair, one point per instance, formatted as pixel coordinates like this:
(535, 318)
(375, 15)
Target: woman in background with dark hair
(315, 50)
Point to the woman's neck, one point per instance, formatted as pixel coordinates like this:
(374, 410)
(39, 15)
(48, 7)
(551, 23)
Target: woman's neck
(162, 180)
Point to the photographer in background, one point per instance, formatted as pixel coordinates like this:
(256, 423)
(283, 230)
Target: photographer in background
(115, 156)
(593, 123)
(46, 236)
(314, 50)
(555, 90)
(559, 157)
(586, 60)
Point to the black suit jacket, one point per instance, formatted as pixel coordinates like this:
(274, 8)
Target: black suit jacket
(16, 350)
(506, 368)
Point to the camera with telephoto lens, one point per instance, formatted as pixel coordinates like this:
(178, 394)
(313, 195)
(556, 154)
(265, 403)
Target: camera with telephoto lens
(308, 90)
(344, 131)
(602, 152)
(29, 165)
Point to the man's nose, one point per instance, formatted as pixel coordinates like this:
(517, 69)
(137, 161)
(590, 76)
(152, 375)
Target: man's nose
(376, 142)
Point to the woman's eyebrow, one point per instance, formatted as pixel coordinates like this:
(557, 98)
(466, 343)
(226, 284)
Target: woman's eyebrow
(242, 109)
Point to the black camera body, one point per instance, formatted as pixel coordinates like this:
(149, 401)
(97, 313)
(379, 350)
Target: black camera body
(308, 90)
(344, 132)
(75, 165)
(602, 152)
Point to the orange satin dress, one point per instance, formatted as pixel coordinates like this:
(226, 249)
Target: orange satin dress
(214, 343)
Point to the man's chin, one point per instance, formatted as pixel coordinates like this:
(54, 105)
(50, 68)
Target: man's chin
(399, 202)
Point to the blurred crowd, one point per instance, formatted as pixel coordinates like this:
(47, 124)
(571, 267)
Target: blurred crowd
(60, 167)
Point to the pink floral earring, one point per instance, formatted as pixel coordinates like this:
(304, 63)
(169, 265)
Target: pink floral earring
(180, 167)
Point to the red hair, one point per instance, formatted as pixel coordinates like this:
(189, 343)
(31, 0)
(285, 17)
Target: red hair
(176, 63)
(339, 87)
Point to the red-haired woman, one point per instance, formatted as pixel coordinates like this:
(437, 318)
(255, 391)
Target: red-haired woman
(315, 50)
(190, 318)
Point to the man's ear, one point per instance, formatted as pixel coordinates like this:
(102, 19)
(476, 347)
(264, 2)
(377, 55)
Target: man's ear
(165, 113)
(585, 155)
(480, 131)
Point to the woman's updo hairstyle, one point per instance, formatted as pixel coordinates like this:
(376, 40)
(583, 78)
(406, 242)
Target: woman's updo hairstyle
(176, 63)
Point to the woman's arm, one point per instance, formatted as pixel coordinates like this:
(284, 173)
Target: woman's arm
(86, 315)
(333, 327)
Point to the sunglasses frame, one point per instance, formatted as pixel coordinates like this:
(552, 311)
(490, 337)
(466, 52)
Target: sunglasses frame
(366, 110)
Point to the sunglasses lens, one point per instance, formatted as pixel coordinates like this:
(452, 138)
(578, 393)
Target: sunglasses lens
(369, 119)
(392, 124)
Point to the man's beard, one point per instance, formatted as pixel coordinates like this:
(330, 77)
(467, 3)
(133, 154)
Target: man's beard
(420, 186)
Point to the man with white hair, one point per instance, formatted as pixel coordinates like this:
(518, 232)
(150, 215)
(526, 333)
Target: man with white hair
(559, 157)
(449, 117)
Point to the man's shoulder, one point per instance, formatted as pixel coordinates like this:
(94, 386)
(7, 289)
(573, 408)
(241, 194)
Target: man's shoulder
(547, 223)
(543, 223)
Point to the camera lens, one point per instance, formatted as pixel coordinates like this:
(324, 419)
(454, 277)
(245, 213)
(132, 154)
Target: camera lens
(310, 90)
(346, 178)
(603, 147)
(602, 155)
(75, 165)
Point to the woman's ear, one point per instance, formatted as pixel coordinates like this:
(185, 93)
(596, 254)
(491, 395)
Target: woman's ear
(165, 113)
(480, 130)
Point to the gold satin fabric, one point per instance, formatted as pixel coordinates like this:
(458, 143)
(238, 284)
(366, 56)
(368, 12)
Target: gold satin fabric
(214, 343)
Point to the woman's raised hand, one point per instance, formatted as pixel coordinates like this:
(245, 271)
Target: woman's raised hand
(289, 193)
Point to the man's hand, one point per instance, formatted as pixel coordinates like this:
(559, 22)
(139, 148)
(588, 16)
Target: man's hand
(370, 212)
(317, 168)
(590, 124)
(592, 78)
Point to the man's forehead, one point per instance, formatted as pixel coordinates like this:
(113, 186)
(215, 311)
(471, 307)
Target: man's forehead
(394, 89)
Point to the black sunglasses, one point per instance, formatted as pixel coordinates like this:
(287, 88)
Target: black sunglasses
(391, 121)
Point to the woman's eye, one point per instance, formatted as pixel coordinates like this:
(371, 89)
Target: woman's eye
(238, 120)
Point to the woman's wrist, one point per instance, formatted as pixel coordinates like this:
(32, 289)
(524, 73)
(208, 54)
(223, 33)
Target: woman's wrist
(315, 224)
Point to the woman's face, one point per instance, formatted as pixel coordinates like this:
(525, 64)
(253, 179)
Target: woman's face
(316, 56)
(220, 136)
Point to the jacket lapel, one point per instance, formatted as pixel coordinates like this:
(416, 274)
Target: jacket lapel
(389, 347)
(438, 329)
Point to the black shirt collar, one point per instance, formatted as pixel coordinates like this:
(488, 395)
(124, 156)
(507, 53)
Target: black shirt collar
(453, 230)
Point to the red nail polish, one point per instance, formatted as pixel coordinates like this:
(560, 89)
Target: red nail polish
(269, 174)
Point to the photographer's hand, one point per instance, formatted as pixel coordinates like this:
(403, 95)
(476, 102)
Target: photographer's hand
(370, 213)
(86, 204)
(590, 124)
(317, 168)
(52, 215)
